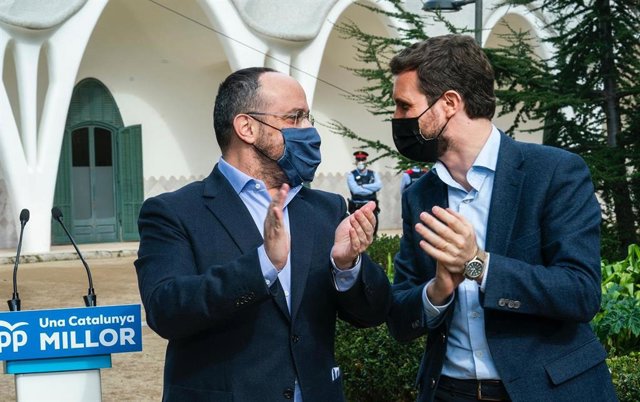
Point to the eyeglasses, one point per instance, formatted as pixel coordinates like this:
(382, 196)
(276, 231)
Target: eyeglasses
(295, 118)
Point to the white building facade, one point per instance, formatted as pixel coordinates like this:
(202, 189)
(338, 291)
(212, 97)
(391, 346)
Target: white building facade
(104, 103)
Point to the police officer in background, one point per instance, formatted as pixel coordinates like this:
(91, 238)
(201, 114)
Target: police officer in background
(410, 176)
(363, 184)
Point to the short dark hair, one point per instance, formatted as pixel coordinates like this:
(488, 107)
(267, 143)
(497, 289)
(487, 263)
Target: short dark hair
(451, 62)
(238, 93)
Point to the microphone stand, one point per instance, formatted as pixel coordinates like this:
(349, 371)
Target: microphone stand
(90, 298)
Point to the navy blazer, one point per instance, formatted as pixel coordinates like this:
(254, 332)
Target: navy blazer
(231, 337)
(543, 284)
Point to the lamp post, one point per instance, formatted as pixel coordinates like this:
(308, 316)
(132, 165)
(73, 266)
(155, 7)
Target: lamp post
(456, 5)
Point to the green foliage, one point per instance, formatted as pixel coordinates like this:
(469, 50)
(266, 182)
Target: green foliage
(626, 376)
(618, 322)
(382, 251)
(375, 367)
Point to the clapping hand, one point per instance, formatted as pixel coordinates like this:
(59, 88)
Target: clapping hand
(276, 238)
(353, 236)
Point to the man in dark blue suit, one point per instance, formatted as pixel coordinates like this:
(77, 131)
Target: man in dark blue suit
(245, 272)
(499, 261)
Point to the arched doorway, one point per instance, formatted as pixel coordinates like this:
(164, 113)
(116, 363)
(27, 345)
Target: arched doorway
(99, 186)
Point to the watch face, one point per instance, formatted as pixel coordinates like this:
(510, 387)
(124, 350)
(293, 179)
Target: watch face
(473, 269)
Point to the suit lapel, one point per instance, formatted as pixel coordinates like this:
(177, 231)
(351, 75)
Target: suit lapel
(507, 188)
(221, 199)
(223, 202)
(435, 193)
(301, 226)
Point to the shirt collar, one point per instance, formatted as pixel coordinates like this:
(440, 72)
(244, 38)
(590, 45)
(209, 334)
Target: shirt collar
(239, 180)
(488, 156)
(236, 178)
(486, 161)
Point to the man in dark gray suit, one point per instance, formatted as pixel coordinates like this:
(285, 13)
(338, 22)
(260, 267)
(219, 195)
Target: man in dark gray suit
(499, 260)
(245, 272)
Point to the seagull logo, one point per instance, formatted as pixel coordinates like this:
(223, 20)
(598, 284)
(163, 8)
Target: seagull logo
(10, 327)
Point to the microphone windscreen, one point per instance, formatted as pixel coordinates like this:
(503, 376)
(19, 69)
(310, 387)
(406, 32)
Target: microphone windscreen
(56, 213)
(24, 215)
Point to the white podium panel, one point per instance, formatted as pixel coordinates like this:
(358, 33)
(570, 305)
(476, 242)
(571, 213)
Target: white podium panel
(69, 386)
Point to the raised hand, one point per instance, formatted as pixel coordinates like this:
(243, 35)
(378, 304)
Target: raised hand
(450, 239)
(353, 236)
(276, 239)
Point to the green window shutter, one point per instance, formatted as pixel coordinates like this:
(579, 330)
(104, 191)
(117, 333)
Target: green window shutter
(62, 196)
(130, 180)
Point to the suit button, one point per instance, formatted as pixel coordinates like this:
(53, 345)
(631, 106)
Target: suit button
(432, 383)
(415, 324)
(516, 304)
(295, 338)
(288, 393)
(502, 302)
(511, 304)
(444, 338)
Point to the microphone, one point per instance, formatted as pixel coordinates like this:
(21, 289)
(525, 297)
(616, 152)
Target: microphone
(90, 298)
(14, 303)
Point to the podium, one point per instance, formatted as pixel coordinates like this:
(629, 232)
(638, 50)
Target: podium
(57, 355)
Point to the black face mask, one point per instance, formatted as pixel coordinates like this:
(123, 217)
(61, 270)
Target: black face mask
(411, 143)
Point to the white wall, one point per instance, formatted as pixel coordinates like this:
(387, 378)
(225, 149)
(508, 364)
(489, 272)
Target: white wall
(163, 72)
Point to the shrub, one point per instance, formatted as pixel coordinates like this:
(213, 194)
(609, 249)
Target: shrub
(375, 367)
(382, 251)
(617, 325)
(626, 376)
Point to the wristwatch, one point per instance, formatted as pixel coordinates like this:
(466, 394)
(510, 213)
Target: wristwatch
(475, 267)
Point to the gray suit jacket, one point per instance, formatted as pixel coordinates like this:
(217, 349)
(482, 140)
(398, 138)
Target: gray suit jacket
(231, 337)
(543, 286)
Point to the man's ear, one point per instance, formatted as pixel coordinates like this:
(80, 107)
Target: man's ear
(452, 102)
(245, 129)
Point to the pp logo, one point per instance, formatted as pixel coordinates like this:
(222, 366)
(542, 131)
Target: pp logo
(12, 338)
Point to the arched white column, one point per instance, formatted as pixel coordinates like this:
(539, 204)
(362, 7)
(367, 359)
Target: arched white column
(533, 19)
(242, 47)
(247, 48)
(29, 158)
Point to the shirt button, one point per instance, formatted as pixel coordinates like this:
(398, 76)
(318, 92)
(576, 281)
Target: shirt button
(286, 294)
(268, 282)
(479, 354)
(475, 314)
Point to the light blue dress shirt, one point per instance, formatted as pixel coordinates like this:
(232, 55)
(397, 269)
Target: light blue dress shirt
(255, 196)
(468, 355)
